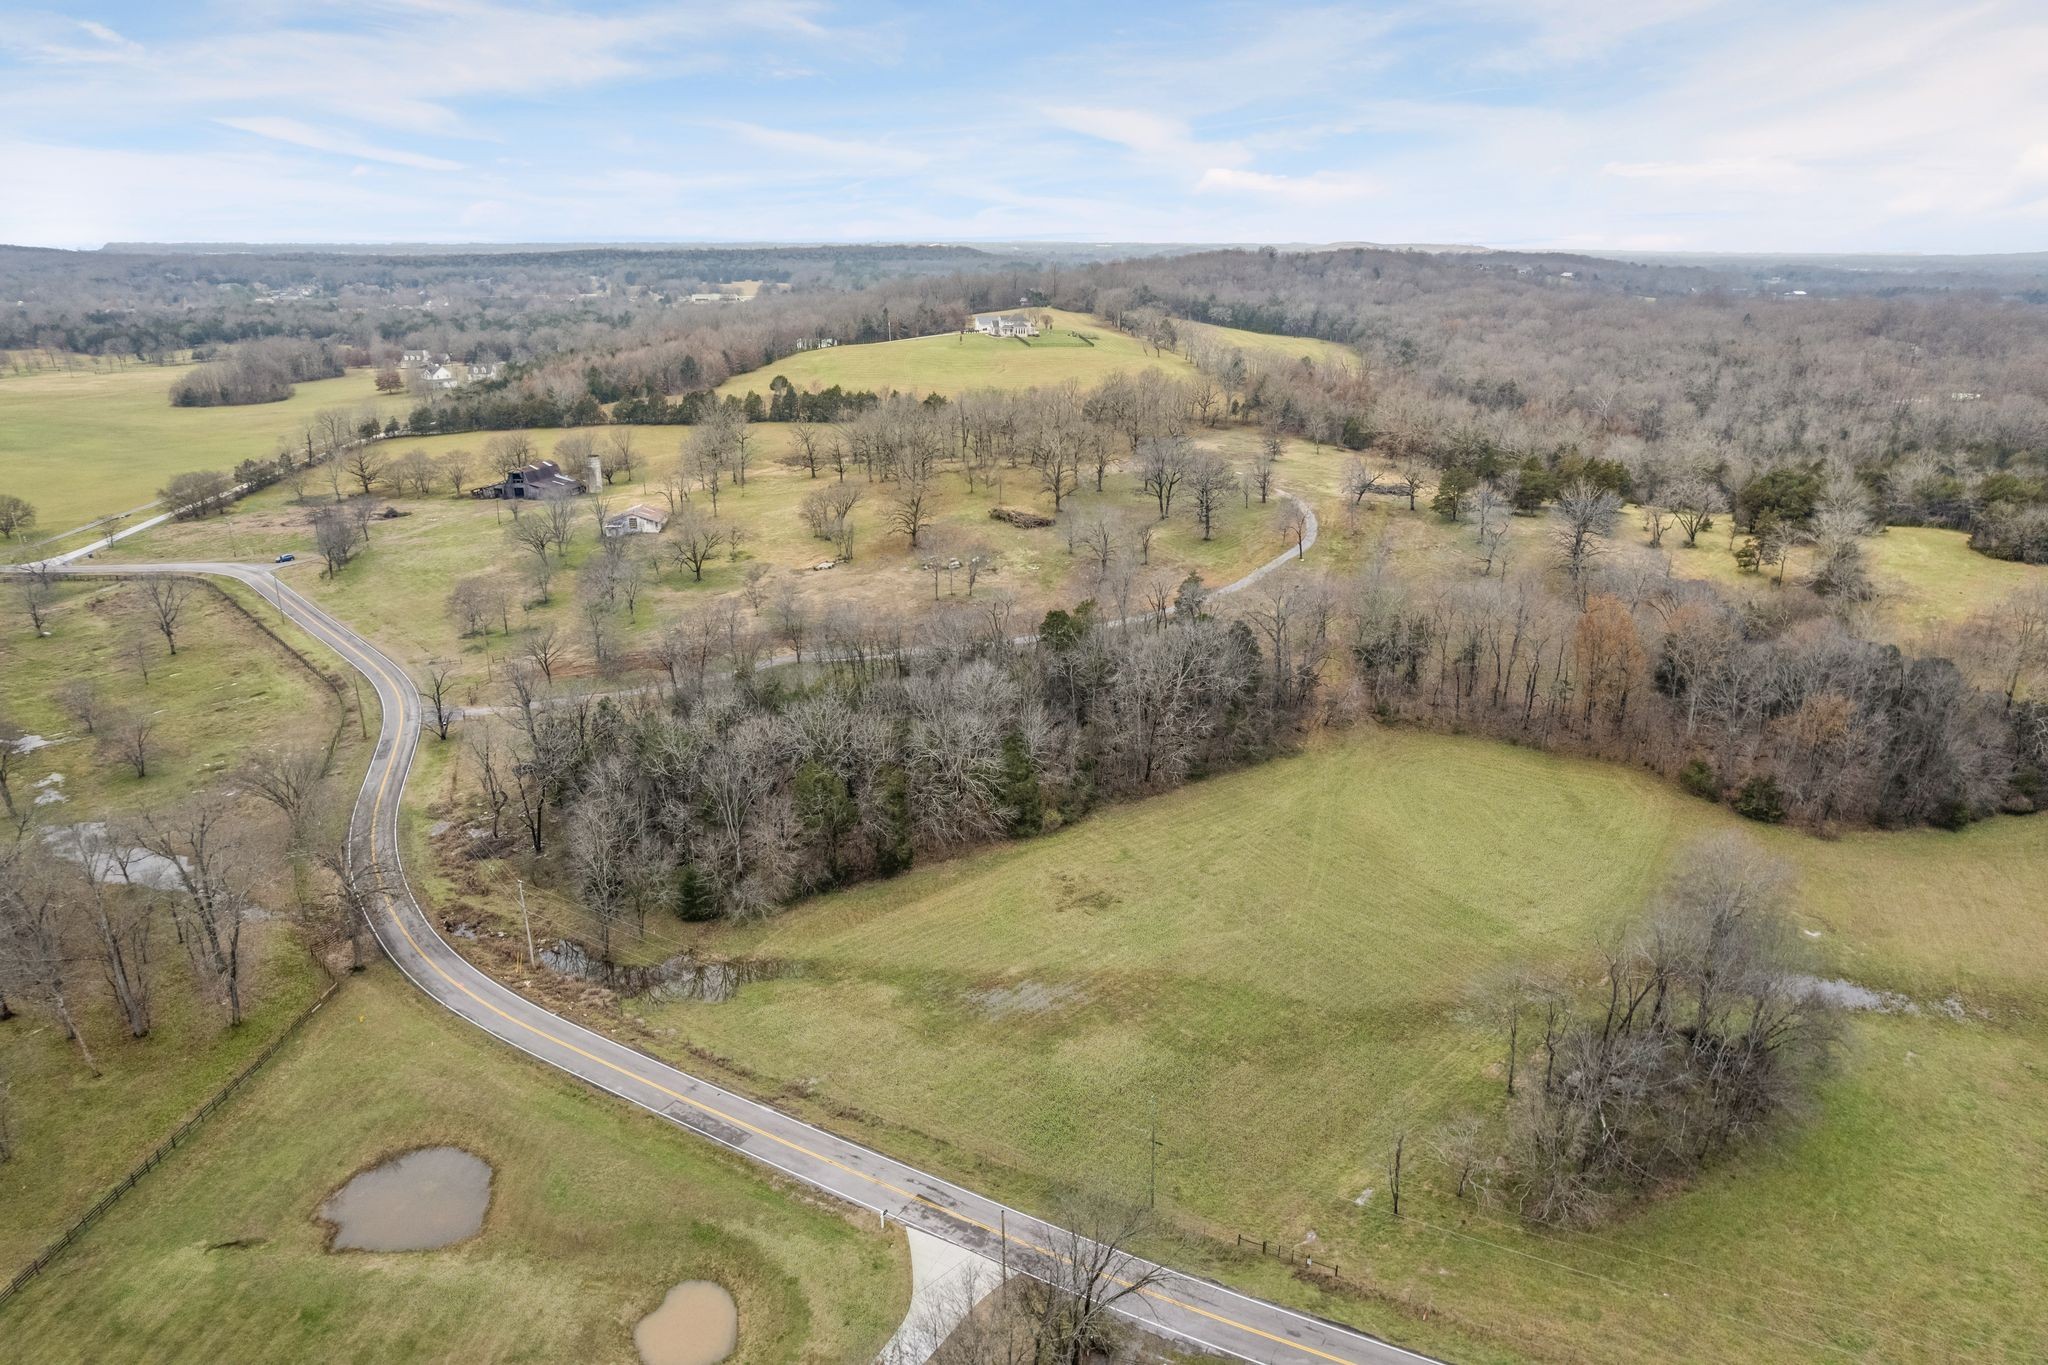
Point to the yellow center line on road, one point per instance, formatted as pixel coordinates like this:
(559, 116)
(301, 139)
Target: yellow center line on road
(372, 663)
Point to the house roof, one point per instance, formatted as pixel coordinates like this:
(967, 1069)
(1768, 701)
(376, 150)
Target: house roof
(542, 474)
(642, 510)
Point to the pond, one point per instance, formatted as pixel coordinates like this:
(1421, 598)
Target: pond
(432, 1197)
(697, 1324)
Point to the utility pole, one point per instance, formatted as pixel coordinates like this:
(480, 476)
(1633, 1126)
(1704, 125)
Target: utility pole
(1400, 1140)
(1003, 1222)
(530, 961)
(1152, 1143)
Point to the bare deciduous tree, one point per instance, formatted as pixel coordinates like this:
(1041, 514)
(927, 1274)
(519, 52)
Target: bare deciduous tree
(454, 466)
(337, 536)
(439, 693)
(288, 779)
(1163, 461)
(164, 596)
(212, 904)
(136, 648)
(120, 915)
(363, 465)
(346, 911)
(693, 541)
(80, 699)
(910, 509)
(1074, 1288)
(1583, 522)
(35, 593)
(543, 649)
(11, 736)
(34, 960)
(1209, 482)
(1291, 523)
(1703, 1034)
(130, 738)
(533, 535)
(558, 521)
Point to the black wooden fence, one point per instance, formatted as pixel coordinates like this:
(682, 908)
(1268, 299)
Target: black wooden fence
(163, 1149)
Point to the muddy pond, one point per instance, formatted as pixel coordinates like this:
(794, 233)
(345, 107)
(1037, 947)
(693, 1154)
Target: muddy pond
(697, 1324)
(432, 1197)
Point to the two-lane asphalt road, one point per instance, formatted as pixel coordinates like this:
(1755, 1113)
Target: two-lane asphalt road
(1197, 1311)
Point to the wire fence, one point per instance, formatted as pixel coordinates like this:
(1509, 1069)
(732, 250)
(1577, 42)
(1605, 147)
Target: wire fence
(1295, 1256)
(163, 1149)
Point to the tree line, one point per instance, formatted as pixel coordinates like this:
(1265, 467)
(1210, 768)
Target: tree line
(1934, 403)
(728, 794)
(259, 372)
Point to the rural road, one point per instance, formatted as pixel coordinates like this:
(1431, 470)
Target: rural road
(1197, 1311)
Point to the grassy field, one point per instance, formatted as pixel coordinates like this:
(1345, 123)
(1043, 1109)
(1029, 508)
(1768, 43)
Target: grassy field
(596, 1209)
(953, 361)
(396, 589)
(1281, 959)
(230, 690)
(1925, 576)
(85, 443)
(79, 1134)
(1265, 346)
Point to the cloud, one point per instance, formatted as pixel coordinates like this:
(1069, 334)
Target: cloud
(1727, 172)
(1735, 124)
(1322, 187)
(304, 135)
(817, 150)
(108, 36)
(1562, 32)
(83, 196)
(54, 41)
(400, 63)
(1159, 139)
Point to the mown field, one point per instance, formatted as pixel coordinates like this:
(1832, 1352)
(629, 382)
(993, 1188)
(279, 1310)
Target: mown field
(86, 443)
(596, 1210)
(954, 361)
(1283, 959)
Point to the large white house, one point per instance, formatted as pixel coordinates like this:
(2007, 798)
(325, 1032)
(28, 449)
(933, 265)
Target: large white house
(1005, 325)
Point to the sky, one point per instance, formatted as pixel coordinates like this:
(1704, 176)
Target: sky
(1618, 125)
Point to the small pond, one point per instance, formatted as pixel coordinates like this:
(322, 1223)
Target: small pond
(697, 1324)
(424, 1199)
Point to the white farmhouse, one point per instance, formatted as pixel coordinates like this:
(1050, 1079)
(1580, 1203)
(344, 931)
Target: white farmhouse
(1005, 325)
(638, 520)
